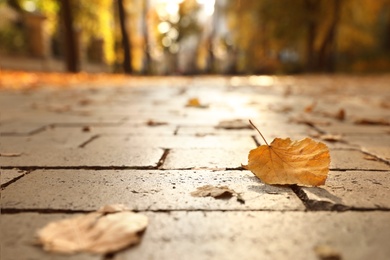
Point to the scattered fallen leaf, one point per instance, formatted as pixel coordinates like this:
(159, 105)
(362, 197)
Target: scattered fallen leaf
(10, 154)
(155, 123)
(304, 162)
(385, 104)
(86, 129)
(372, 121)
(107, 230)
(310, 122)
(236, 124)
(325, 252)
(194, 102)
(331, 138)
(280, 109)
(340, 115)
(370, 158)
(217, 192)
(310, 108)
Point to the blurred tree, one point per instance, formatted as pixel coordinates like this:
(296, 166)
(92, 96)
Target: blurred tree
(72, 57)
(127, 68)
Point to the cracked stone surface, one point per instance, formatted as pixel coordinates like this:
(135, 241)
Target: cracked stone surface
(69, 150)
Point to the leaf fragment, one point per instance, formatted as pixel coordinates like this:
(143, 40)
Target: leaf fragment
(107, 230)
(305, 162)
(217, 192)
(10, 154)
(194, 102)
(236, 124)
(155, 123)
(372, 121)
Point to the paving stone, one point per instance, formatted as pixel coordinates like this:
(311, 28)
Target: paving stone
(354, 160)
(21, 128)
(263, 235)
(358, 189)
(18, 241)
(143, 190)
(163, 141)
(62, 149)
(9, 175)
(352, 129)
(377, 145)
(123, 129)
(205, 158)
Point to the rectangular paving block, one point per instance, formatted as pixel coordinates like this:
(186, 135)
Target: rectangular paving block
(18, 241)
(354, 160)
(65, 149)
(144, 190)
(263, 235)
(205, 158)
(358, 189)
(377, 145)
(164, 141)
(352, 129)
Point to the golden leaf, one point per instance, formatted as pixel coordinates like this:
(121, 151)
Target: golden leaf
(284, 161)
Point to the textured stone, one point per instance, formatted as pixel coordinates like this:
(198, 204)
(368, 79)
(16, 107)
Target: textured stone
(358, 189)
(205, 158)
(164, 141)
(67, 149)
(354, 160)
(377, 145)
(263, 235)
(18, 241)
(9, 175)
(143, 190)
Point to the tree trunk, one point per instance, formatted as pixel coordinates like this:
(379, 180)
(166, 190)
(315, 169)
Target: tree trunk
(311, 8)
(326, 57)
(125, 39)
(72, 58)
(146, 37)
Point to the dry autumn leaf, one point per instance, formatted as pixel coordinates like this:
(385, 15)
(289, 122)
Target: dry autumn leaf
(107, 230)
(284, 161)
(217, 192)
(236, 124)
(194, 102)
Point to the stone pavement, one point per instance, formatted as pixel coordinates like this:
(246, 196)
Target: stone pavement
(69, 151)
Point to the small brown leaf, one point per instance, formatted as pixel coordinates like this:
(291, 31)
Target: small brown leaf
(236, 124)
(340, 115)
(325, 252)
(310, 108)
(331, 138)
(372, 121)
(10, 154)
(194, 102)
(370, 158)
(155, 123)
(105, 231)
(216, 192)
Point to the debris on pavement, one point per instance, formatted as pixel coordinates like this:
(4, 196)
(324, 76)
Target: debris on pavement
(217, 192)
(107, 230)
(236, 124)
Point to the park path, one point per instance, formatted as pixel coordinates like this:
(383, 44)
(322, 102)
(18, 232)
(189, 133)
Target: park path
(146, 143)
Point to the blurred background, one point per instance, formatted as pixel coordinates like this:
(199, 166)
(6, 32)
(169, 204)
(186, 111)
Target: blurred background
(186, 37)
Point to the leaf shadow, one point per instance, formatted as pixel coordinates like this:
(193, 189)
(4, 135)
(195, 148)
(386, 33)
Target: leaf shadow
(322, 193)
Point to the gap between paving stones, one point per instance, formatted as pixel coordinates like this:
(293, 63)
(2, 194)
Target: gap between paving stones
(319, 205)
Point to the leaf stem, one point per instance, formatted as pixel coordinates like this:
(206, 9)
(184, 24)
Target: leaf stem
(259, 132)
